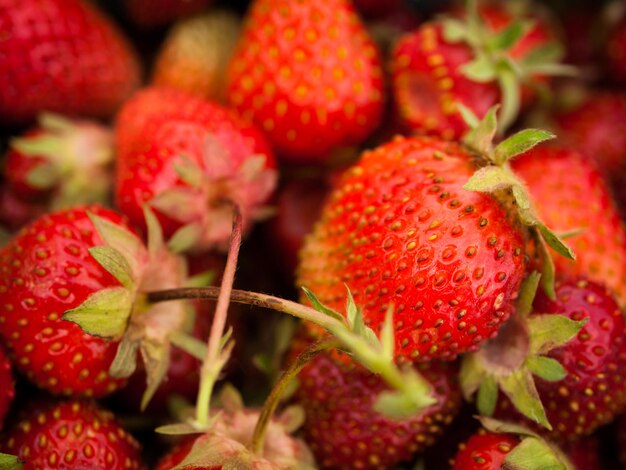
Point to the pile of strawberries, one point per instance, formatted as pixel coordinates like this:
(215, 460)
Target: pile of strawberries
(436, 191)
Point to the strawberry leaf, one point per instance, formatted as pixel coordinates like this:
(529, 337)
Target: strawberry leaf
(454, 30)
(156, 360)
(488, 179)
(115, 263)
(468, 116)
(520, 142)
(104, 313)
(545, 367)
(547, 268)
(317, 305)
(510, 88)
(508, 37)
(394, 405)
(352, 312)
(185, 238)
(125, 361)
(533, 454)
(471, 376)
(555, 242)
(43, 176)
(387, 335)
(527, 293)
(188, 171)
(551, 331)
(479, 70)
(520, 388)
(497, 426)
(481, 136)
(192, 346)
(155, 232)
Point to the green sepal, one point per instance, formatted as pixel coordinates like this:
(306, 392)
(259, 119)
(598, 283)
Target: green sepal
(292, 418)
(549, 331)
(387, 335)
(229, 399)
(192, 346)
(44, 176)
(469, 117)
(45, 146)
(471, 375)
(55, 122)
(547, 368)
(177, 203)
(453, 30)
(10, 462)
(519, 143)
(527, 292)
(555, 242)
(533, 454)
(185, 238)
(115, 263)
(480, 70)
(125, 361)
(488, 179)
(317, 305)
(487, 396)
(401, 404)
(181, 429)
(104, 314)
(155, 232)
(214, 451)
(548, 271)
(548, 53)
(120, 239)
(481, 136)
(202, 279)
(504, 427)
(509, 36)
(511, 96)
(353, 314)
(156, 360)
(571, 233)
(189, 172)
(520, 388)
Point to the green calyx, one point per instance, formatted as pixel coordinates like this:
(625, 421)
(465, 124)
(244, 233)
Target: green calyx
(532, 453)
(76, 159)
(10, 462)
(495, 176)
(508, 362)
(122, 313)
(493, 62)
(410, 392)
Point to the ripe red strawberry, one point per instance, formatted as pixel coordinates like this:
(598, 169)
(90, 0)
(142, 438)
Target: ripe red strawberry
(151, 13)
(343, 430)
(594, 390)
(601, 246)
(62, 161)
(309, 75)
(185, 156)
(64, 56)
(196, 52)
(484, 451)
(46, 270)
(584, 453)
(435, 69)
(71, 434)
(399, 229)
(7, 385)
(15, 212)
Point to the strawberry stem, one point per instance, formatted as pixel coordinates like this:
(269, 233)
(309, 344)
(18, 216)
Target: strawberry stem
(258, 437)
(213, 362)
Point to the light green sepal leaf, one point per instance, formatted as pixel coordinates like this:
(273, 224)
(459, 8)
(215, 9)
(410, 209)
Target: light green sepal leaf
(453, 30)
(10, 462)
(549, 331)
(555, 242)
(47, 146)
(489, 179)
(497, 426)
(179, 203)
(188, 171)
(520, 142)
(545, 367)
(115, 263)
(571, 233)
(480, 138)
(510, 88)
(185, 238)
(395, 405)
(471, 376)
(155, 232)
(548, 270)
(352, 312)
(546, 54)
(125, 360)
(192, 346)
(468, 116)
(487, 396)
(317, 305)
(509, 36)
(292, 418)
(120, 239)
(212, 450)
(520, 388)
(387, 335)
(527, 292)
(533, 454)
(156, 359)
(202, 279)
(44, 176)
(178, 429)
(104, 314)
(480, 70)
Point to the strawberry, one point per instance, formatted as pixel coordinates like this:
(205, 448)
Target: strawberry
(64, 56)
(15, 212)
(502, 445)
(400, 230)
(601, 245)
(584, 453)
(614, 52)
(445, 63)
(593, 391)
(188, 158)
(195, 54)
(46, 270)
(343, 430)
(7, 385)
(71, 434)
(309, 75)
(66, 162)
(152, 13)
(228, 442)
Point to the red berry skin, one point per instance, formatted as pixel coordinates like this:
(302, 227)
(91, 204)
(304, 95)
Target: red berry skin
(343, 430)
(159, 125)
(584, 453)
(614, 53)
(17, 166)
(64, 56)
(601, 248)
(309, 75)
(7, 385)
(594, 389)
(399, 229)
(15, 212)
(177, 454)
(46, 270)
(71, 434)
(484, 451)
